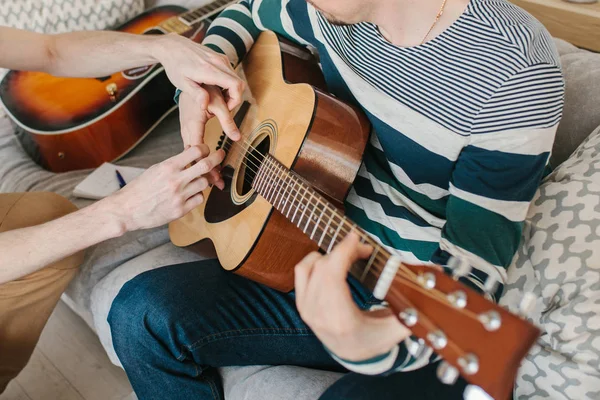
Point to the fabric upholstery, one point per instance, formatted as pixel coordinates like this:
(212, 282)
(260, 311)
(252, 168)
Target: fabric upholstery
(57, 16)
(26, 303)
(559, 263)
(581, 113)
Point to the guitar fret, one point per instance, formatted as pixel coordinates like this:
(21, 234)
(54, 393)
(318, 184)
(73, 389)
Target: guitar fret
(285, 188)
(298, 204)
(312, 212)
(271, 187)
(326, 228)
(291, 203)
(369, 264)
(284, 195)
(318, 222)
(277, 186)
(279, 194)
(303, 212)
(332, 242)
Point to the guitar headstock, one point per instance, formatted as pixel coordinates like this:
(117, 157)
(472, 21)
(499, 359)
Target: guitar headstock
(477, 338)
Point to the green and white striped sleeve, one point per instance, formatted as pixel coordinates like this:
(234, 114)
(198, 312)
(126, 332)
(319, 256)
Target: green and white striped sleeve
(234, 31)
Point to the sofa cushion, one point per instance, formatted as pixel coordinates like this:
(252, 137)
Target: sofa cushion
(559, 263)
(57, 16)
(581, 70)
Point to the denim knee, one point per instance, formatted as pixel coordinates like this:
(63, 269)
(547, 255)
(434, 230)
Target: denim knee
(135, 314)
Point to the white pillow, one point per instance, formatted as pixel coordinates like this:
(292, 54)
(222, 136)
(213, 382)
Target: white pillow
(559, 262)
(57, 16)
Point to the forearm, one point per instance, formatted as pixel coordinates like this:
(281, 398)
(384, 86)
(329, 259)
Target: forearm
(93, 54)
(80, 54)
(27, 250)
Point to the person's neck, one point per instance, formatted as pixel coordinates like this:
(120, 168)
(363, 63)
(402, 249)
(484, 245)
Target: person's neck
(405, 23)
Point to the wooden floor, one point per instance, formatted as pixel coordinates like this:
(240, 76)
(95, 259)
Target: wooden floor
(69, 363)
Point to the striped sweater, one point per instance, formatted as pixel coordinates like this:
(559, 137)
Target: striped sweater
(463, 126)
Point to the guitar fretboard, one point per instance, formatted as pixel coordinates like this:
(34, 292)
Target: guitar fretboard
(193, 16)
(320, 220)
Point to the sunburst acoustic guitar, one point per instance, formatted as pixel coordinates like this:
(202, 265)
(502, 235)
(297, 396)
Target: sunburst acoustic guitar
(79, 123)
(286, 179)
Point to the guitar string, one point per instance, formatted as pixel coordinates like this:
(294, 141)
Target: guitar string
(409, 275)
(333, 213)
(377, 247)
(380, 255)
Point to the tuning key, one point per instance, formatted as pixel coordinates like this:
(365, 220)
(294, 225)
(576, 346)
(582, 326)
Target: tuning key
(459, 266)
(416, 347)
(458, 299)
(446, 373)
(427, 280)
(409, 316)
(527, 303)
(469, 364)
(491, 320)
(491, 285)
(437, 339)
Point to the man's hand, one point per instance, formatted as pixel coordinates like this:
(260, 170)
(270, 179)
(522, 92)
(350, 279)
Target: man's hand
(166, 191)
(190, 66)
(325, 303)
(193, 117)
(208, 83)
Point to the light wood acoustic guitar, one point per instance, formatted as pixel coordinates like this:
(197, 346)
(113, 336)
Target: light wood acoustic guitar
(286, 179)
(78, 123)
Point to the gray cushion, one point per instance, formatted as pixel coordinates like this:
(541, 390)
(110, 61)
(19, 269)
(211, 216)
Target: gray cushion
(559, 263)
(581, 113)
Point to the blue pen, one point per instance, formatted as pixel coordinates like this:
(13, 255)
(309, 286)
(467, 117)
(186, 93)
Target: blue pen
(122, 182)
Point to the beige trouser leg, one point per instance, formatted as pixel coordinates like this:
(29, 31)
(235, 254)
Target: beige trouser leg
(26, 303)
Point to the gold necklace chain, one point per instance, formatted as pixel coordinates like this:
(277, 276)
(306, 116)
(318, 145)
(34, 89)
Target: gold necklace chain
(437, 17)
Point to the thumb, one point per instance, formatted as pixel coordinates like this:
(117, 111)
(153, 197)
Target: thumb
(348, 251)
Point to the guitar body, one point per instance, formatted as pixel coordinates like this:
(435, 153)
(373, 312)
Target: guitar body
(310, 132)
(80, 123)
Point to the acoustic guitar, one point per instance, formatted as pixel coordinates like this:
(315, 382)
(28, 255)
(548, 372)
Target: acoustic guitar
(286, 179)
(78, 123)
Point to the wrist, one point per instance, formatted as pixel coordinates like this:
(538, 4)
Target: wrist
(114, 219)
(158, 46)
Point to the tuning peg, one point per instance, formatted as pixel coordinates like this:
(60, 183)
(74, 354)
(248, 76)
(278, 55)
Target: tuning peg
(459, 266)
(491, 285)
(409, 316)
(416, 347)
(427, 280)
(458, 299)
(527, 303)
(491, 320)
(473, 392)
(446, 373)
(469, 364)
(437, 339)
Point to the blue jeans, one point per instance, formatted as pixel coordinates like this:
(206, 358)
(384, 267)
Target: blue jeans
(173, 326)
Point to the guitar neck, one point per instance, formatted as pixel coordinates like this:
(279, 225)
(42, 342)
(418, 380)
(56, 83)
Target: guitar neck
(183, 23)
(199, 14)
(318, 218)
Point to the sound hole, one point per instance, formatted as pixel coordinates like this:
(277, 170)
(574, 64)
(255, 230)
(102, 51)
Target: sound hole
(250, 165)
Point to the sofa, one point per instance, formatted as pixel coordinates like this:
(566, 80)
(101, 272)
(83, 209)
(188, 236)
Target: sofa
(559, 259)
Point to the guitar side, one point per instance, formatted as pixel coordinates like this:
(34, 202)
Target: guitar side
(80, 123)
